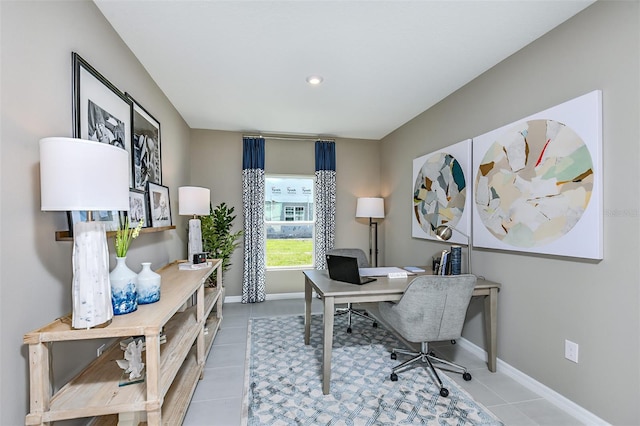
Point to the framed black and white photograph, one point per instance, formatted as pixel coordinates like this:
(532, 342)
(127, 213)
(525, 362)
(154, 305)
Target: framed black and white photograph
(147, 164)
(111, 219)
(101, 112)
(159, 206)
(137, 209)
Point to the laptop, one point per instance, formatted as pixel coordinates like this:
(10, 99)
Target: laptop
(345, 268)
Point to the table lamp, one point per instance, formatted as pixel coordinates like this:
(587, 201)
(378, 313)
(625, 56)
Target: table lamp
(194, 201)
(444, 232)
(83, 175)
(373, 208)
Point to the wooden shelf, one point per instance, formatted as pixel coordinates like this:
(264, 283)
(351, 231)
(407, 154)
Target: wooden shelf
(172, 368)
(65, 235)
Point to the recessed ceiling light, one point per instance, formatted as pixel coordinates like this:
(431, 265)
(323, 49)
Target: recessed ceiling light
(314, 80)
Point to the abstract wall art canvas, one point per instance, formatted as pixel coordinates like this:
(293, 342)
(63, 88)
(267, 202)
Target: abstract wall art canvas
(538, 182)
(441, 192)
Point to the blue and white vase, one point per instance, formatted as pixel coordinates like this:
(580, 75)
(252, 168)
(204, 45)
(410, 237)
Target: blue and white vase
(148, 285)
(124, 295)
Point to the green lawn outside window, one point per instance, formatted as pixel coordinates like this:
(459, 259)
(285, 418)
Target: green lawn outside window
(289, 252)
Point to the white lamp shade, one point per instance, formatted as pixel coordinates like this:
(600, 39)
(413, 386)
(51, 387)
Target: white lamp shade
(370, 207)
(77, 174)
(193, 200)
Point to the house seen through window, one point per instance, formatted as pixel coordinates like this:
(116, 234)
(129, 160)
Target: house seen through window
(289, 221)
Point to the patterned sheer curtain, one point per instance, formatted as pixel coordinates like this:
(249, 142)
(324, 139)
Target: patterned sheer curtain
(325, 200)
(253, 211)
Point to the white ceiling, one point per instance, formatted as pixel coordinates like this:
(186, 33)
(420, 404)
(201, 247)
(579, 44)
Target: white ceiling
(241, 65)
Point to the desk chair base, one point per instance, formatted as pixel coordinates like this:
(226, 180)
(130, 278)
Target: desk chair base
(426, 356)
(350, 311)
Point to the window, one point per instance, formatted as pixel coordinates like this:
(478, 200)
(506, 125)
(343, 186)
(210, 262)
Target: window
(289, 221)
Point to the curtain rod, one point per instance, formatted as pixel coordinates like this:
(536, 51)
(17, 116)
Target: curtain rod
(284, 138)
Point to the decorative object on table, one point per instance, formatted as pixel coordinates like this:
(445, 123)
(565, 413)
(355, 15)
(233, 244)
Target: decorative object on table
(159, 206)
(147, 164)
(218, 240)
(124, 294)
(538, 182)
(444, 233)
(148, 285)
(284, 384)
(80, 175)
(194, 201)
(101, 112)
(456, 260)
(132, 364)
(372, 208)
(137, 208)
(442, 191)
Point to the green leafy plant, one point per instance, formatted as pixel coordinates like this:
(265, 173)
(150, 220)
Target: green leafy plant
(124, 236)
(218, 240)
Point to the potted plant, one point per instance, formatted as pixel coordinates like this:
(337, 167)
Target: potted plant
(218, 240)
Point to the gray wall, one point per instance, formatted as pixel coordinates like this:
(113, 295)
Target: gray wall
(35, 277)
(216, 163)
(545, 300)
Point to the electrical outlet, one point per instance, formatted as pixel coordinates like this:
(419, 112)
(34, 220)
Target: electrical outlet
(100, 349)
(571, 351)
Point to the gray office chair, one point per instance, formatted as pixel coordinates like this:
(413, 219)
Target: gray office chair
(362, 263)
(432, 308)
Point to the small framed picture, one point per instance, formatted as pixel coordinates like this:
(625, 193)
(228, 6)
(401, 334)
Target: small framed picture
(138, 209)
(159, 206)
(111, 219)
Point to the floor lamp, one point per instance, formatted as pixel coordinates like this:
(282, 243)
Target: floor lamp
(81, 175)
(373, 208)
(194, 201)
(444, 233)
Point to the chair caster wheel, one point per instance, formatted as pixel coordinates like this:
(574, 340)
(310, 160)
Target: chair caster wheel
(375, 325)
(466, 377)
(444, 392)
(349, 330)
(394, 377)
(394, 355)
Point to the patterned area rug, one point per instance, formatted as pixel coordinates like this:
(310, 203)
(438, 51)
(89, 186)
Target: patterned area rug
(284, 381)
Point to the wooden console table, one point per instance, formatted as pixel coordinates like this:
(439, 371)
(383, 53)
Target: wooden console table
(172, 369)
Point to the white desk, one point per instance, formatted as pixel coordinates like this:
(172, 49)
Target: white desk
(333, 292)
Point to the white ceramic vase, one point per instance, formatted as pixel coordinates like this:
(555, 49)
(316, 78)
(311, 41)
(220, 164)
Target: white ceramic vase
(148, 285)
(124, 295)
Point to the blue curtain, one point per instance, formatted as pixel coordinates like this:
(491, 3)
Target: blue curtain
(253, 211)
(325, 200)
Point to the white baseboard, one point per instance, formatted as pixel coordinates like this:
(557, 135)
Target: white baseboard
(530, 383)
(549, 394)
(278, 296)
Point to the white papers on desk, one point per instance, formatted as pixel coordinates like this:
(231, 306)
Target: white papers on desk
(381, 272)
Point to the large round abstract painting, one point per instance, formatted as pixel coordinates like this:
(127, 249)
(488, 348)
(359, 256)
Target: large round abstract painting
(439, 192)
(534, 183)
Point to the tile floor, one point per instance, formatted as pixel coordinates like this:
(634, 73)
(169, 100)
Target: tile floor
(217, 400)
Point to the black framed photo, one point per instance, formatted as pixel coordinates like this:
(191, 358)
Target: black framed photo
(159, 206)
(111, 219)
(101, 112)
(147, 163)
(137, 209)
